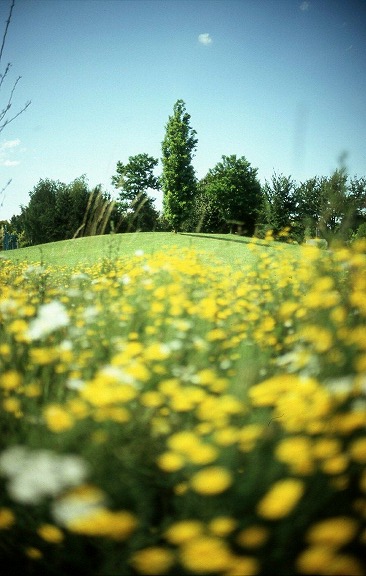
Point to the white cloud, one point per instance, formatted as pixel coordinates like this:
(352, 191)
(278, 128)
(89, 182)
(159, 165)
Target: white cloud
(9, 162)
(7, 147)
(9, 144)
(205, 39)
(304, 6)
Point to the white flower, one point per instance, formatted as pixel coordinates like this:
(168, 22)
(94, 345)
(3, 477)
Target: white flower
(50, 317)
(73, 505)
(139, 252)
(12, 460)
(36, 474)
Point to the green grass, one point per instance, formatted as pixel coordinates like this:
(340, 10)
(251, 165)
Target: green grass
(228, 247)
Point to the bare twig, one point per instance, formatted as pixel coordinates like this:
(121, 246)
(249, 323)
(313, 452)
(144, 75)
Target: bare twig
(6, 29)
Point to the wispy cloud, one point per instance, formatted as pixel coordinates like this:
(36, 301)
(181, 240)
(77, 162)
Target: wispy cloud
(304, 6)
(205, 39)
(9, 144)
(9, 162)
(7, 147)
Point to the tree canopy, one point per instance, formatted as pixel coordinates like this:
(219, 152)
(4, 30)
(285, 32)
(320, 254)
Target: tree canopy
(178, 176)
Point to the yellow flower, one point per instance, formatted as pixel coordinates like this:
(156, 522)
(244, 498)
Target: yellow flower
(281, 499)
(50, 533)
(333, 532)
(357, 450)
(183, 531)
(326, 447)
(152, 399)
(170, 461)
(12, 405)
(252, 537)
(335, 465)
(243, 566)
(222, 525)
(183, 442)
(10, 380)
(57, 418)
(205, 554)
(314, 560)
(105, 523)
(212, 480)
(296, 452)
(202, 454)
(152, 560)
(322, 560)
(7, 518)
(33, 553)
(42, 356)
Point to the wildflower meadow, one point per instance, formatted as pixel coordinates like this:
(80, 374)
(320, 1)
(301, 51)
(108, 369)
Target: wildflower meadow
(170, 413)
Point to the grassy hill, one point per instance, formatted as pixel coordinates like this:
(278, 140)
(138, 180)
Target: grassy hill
(90, 249)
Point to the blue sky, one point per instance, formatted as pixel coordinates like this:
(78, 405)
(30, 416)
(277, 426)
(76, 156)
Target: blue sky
(281, 82)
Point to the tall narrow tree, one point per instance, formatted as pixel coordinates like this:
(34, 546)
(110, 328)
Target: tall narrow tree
(178, 178)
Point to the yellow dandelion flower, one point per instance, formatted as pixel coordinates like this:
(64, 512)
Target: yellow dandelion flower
(243, 566)
(57, 418)
(12, 405)
(253, 536)
(296, 452)
(105, 523)
(333, 532)
(281, 499)
(314, 560)
(212, 480)
(152, 399)
(33, 553)
(170, 461)
(326, 447)
(335, 465)
(10, 380)
(205, 555)
(357, 450)
(202, 454)
(183, 441)
(7, 518)
(153, 560)
(183, 531)
(50, 533)
(222, 525)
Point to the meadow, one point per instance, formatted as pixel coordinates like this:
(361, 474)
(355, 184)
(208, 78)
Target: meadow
(183, 405)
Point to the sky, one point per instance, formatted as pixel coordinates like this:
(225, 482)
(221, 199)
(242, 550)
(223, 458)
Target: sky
(280, 82)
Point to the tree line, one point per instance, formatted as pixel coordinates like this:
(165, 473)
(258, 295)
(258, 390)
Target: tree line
(230, 198)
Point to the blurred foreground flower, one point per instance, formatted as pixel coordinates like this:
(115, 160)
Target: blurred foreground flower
(35, 474)
(50, 317)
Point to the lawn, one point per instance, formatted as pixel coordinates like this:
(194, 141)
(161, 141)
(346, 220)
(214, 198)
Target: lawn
(183, 405)
(90, 249)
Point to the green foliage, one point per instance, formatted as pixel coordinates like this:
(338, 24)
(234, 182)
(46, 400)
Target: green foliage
(40, 214)
(58, 211)
(178, 178)
(280, 202)
(134, 179)
(230, 197)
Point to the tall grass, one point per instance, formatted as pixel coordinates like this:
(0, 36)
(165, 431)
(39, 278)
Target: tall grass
(164, 412)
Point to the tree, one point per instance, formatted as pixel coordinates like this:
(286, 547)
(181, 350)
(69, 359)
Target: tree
(134, 179)
(280, 202)
(233, 197)
(309, 201)
(178, 177)
(71, 205)
(40, 214)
